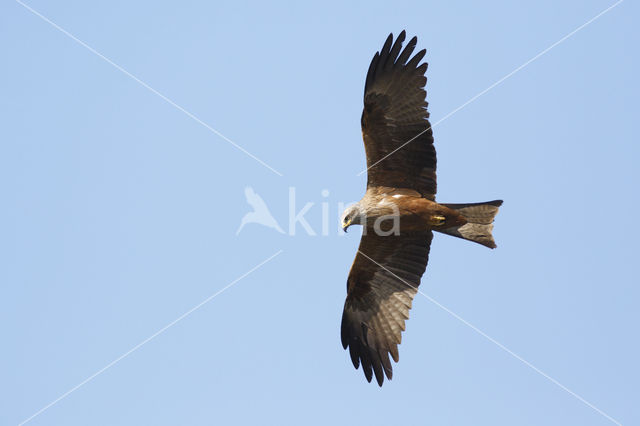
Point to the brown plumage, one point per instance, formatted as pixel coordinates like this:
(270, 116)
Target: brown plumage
(398, 211)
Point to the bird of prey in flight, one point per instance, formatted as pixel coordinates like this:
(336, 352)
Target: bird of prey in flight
(398, 211)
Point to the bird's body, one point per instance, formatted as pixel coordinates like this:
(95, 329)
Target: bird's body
(398, 211)
(412, 211)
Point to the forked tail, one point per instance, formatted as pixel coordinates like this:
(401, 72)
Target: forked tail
(479, 222)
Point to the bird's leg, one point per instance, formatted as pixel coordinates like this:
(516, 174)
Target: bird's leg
(437, 220)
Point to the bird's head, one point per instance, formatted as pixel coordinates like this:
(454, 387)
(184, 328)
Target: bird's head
(351, 216)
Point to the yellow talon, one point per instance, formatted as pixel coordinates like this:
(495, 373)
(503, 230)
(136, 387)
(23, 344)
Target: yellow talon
(437, 220)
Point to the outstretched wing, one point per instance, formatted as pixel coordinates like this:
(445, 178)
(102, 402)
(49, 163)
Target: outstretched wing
(397, 134)
(380, 289)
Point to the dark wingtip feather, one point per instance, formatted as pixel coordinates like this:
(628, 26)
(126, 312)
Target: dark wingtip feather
(386, 364)
(386, 47)
(344, 332)
(371, 73)
(355, 359)
(384, 52)
(395, 50)
(365, 361)
(377, 366)
(404, 56)
(413, 63)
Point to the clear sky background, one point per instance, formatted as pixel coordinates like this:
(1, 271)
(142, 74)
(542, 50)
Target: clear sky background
(119, 213)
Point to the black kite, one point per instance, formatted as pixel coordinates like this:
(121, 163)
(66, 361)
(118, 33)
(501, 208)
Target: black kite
(398, 210)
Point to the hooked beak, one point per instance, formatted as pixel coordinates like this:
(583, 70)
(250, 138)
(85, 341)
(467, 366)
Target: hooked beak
(345, 226)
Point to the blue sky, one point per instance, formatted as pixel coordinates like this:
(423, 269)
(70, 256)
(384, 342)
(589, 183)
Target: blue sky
(120, 211)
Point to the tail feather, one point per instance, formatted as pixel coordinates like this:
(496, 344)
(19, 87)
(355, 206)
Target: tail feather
(479, 224)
